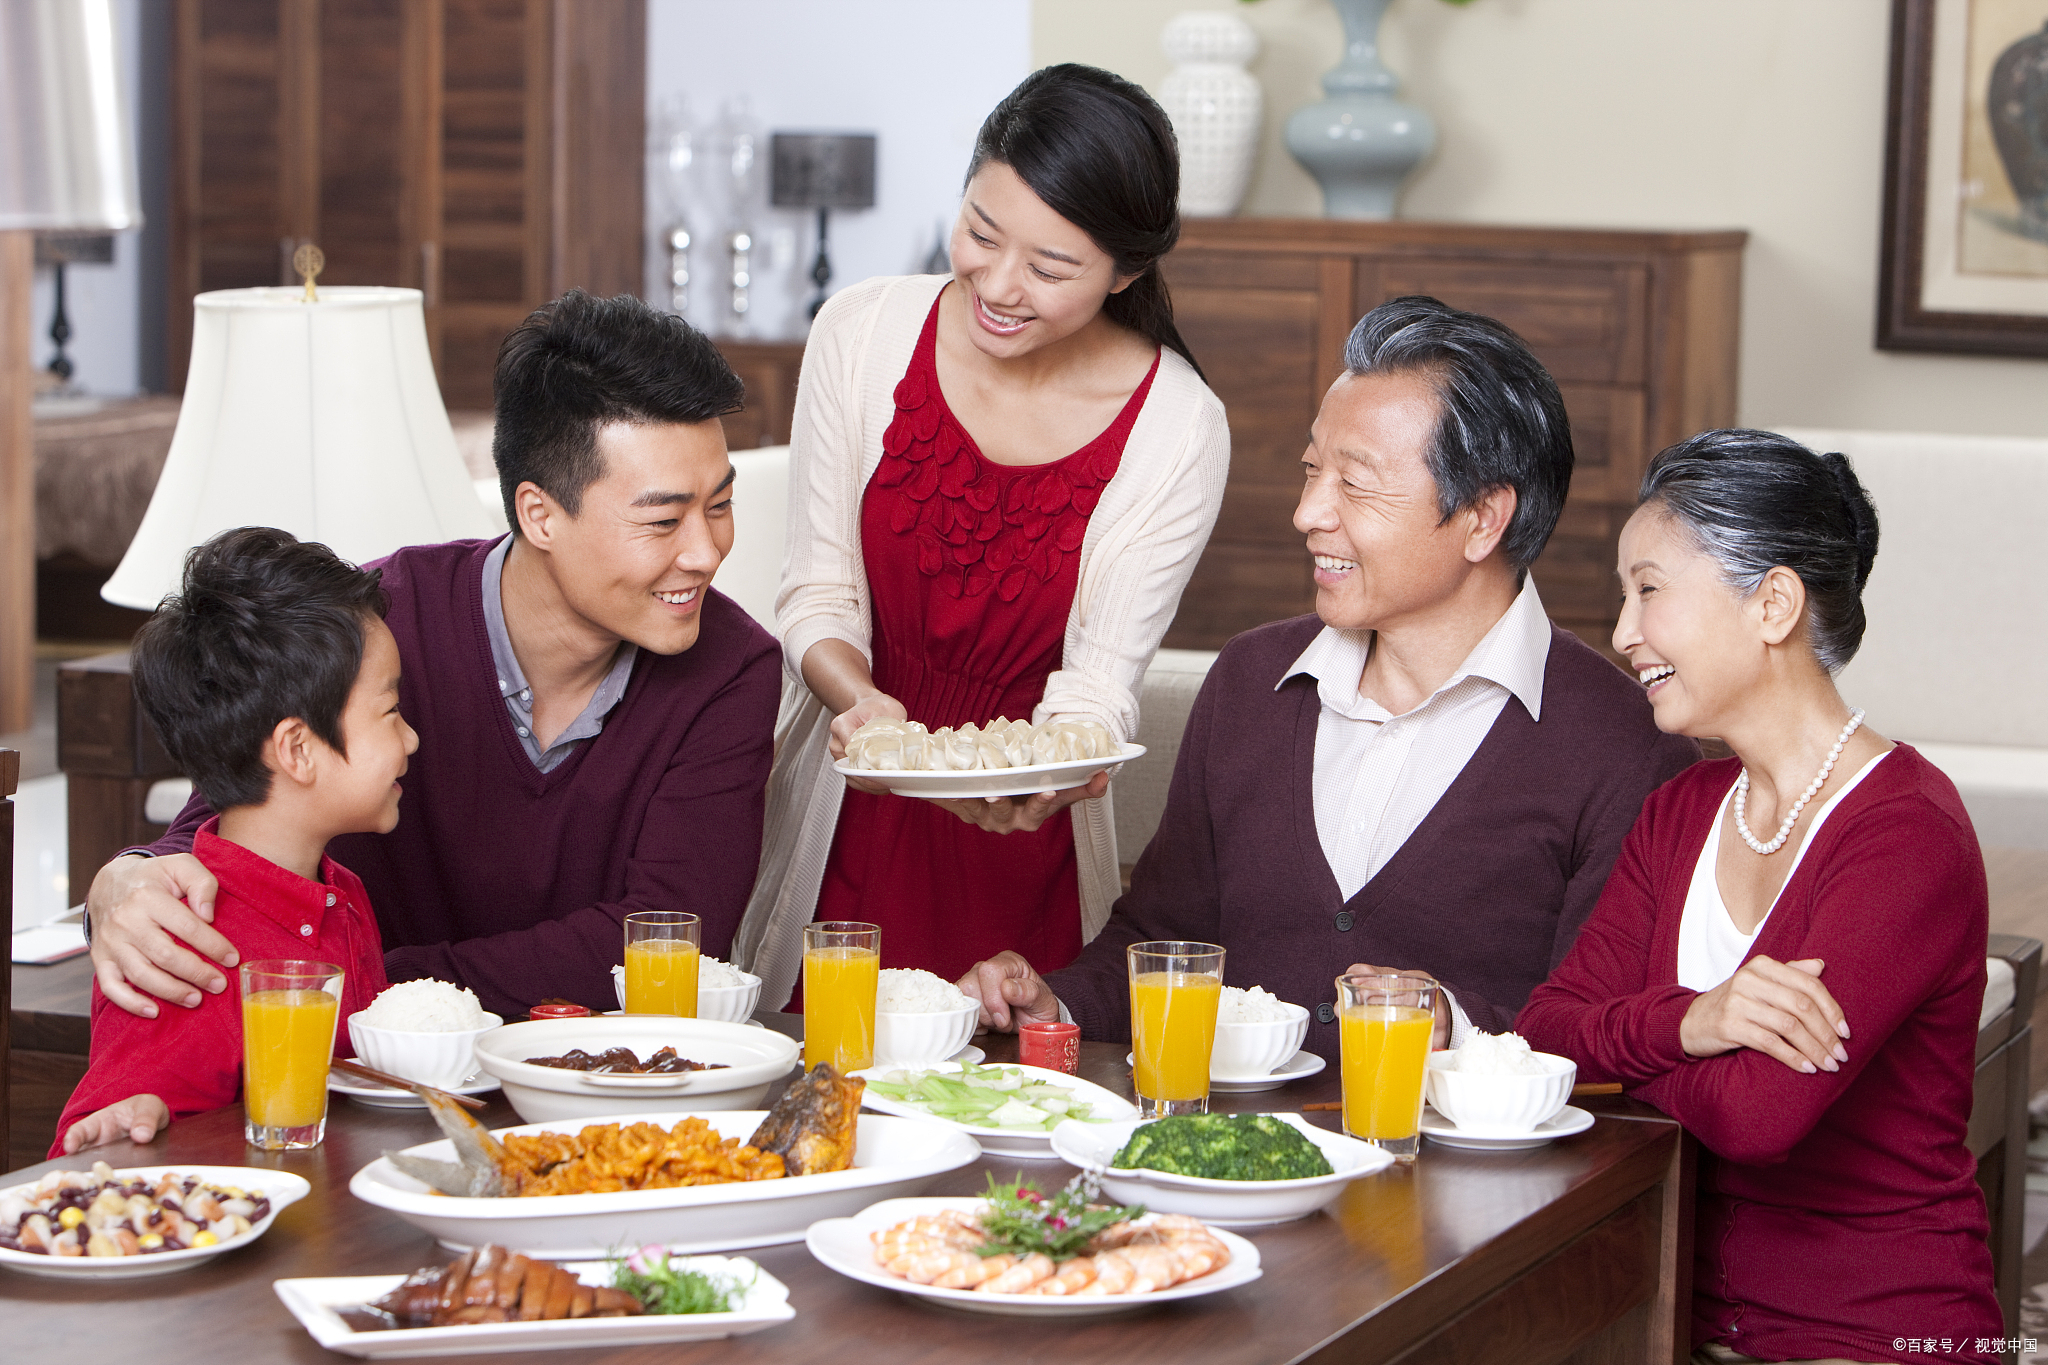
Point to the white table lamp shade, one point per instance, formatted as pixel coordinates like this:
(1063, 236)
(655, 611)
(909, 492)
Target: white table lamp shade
(67, 159)
(322, 419)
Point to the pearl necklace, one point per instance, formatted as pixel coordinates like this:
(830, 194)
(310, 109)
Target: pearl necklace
(1785, 830)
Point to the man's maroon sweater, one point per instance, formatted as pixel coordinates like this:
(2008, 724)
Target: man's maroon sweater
(516, 882)
(1486, 894)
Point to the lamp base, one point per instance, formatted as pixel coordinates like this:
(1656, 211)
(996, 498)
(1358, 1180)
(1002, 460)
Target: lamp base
(821, 269)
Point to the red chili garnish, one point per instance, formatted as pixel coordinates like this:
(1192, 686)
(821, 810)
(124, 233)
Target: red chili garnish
(1059, 1224)
(1033, 1195)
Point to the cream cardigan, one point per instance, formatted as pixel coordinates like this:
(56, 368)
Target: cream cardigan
(1142, 543)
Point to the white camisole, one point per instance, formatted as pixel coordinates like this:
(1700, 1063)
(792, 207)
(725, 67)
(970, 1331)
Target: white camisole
(1710, 947)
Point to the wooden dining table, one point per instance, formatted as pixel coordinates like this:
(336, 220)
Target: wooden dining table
(1566, 1252)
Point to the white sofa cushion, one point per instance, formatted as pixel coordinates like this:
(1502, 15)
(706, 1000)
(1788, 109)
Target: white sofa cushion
(1957, 646)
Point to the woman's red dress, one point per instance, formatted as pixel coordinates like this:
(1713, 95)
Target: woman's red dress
(972, 568)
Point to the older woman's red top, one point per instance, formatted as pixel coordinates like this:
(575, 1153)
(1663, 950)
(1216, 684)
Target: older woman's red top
(1838, 1212)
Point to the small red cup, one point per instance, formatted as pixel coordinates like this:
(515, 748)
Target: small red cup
(557, 1010)
(1054, 1046)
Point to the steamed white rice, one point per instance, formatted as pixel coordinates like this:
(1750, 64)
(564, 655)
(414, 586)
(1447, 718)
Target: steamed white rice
(1496, 1054)
(713, 974)
(909, 991)
(425, 1007)
(1254, 1006)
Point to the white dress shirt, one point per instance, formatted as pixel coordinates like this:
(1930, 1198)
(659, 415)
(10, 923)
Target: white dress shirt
(1378, 775)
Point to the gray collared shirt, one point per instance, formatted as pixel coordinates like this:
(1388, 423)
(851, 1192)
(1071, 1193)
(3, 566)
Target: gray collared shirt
(518, 695)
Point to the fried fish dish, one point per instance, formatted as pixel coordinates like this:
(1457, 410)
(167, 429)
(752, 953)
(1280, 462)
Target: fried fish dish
(810, 1130)
(812, 1126)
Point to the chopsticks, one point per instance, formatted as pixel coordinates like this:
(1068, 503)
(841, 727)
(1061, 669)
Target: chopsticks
(371, 1073)
(1584, 1088)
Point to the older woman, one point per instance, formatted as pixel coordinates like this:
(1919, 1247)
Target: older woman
(1000, 482)
(1789, 956)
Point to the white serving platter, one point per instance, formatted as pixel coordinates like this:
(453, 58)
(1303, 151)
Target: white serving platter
(976, 782)
(381, 1096)
(845, 1245)
(1221, 1203)
(316, 1303)
(282, 1188)
(892, 1156)
(1568, 1121)
(1017, 1144)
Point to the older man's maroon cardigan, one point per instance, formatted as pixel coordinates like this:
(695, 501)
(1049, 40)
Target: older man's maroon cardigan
(1486, 894)
(515, 882)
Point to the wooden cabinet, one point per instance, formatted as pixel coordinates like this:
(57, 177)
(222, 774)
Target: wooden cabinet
(1639, 329)
(769, 370)
(487, 152)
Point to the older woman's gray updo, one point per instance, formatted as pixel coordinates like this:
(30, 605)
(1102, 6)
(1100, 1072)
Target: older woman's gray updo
(1754, 500)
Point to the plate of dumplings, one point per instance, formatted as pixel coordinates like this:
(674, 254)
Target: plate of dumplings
(1003, 758)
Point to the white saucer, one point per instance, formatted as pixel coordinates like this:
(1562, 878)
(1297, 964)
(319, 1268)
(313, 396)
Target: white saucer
(1437, 1128)
(388, 1097)
(970, 1054)
(1300, 1066)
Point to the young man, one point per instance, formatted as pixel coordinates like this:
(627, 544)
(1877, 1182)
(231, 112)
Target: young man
(1426, 774)
(274, 682)
(598, 721)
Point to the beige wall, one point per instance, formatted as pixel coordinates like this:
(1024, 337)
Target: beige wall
(1760, 114)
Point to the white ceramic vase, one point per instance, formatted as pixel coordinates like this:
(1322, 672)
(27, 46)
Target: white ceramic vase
(1215, 106)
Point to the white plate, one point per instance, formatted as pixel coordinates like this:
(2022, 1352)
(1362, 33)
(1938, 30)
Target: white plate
(1038, 777)
(314, 1304)
(281, 1187)
(1020, 1145)
(1570, 1120)
(383, 1096)
(1223, 1203)
(1299, 1067)
(753, 1059)
(891, 1156)
(844, 1245)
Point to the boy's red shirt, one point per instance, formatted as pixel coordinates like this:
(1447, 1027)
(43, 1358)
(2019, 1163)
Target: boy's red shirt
(192, 1059)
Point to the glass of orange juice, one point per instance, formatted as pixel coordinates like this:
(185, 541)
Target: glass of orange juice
(842, 970)
(289, 1011)
(661, 962)
(1384, 1026)
(1175, 988)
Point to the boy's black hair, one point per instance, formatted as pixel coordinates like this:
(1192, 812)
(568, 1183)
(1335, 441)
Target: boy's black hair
(580, 362)
(267, 627)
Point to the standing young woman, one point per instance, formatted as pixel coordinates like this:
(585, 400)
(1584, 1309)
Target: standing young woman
(1789, 955)
(1000, 481)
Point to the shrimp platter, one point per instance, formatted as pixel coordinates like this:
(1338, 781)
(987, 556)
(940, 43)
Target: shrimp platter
(1021, 1242)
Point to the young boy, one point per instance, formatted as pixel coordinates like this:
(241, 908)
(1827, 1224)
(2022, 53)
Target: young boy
(273, 681)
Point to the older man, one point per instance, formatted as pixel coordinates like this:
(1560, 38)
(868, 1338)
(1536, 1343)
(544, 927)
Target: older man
(1426, 775)
(596, 723)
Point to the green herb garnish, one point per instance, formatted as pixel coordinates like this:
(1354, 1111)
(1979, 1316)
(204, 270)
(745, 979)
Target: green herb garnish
(1223, 1147)
(1020, 1220)
(648, 1276)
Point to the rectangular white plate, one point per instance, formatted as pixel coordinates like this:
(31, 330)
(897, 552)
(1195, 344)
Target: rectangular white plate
(315, 1303)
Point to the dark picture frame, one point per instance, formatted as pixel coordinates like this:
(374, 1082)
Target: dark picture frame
(1902, 323)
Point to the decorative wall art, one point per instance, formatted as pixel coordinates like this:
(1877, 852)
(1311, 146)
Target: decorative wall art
(1965, 264)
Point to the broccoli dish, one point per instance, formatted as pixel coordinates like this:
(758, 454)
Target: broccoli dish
(1224, 1147)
